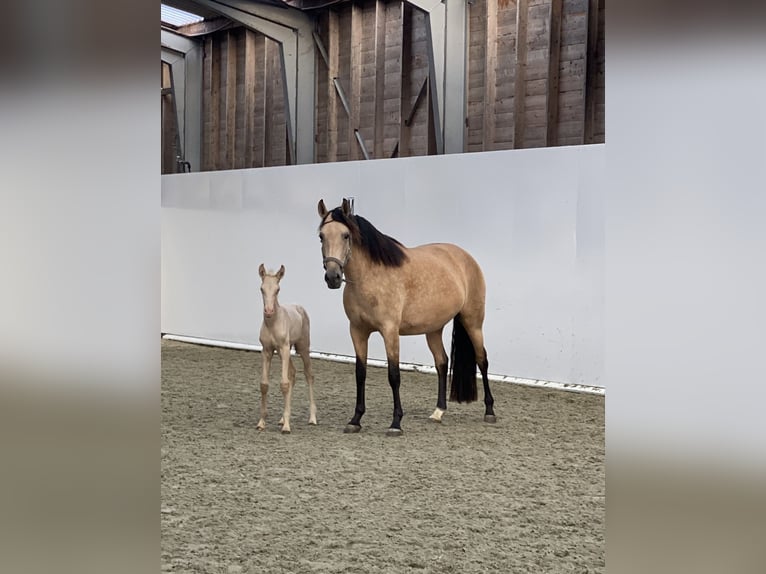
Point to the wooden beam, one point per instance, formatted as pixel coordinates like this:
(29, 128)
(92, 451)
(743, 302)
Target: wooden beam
(321, 48)
(490, 77)
(213, 55)
(591, 55)
(205, 27)
(231, 98)
(249, 97)
(421, 93)
(332, 97)
(380, 75)
(269, 48)
(554, 59)
(240, 116)
(520, 82)
(405, 51)
(355, 88)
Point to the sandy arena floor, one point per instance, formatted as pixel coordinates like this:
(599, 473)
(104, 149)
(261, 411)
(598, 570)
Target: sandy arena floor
(525, 495)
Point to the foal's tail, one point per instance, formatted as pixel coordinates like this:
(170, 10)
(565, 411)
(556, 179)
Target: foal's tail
(462, 364)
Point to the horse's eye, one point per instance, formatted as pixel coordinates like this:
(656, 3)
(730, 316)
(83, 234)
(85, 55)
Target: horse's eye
(346, 236)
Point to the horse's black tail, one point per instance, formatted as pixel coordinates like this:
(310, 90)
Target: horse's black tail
(462, 364)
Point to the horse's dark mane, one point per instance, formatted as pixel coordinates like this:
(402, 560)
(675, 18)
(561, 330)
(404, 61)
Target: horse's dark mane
(379, 247)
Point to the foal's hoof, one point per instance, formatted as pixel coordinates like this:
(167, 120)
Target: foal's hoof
(490, 419)
(349, 429)
(394, 432)
(285, 431)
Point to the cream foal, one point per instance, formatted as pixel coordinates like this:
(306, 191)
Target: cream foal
(284, 326)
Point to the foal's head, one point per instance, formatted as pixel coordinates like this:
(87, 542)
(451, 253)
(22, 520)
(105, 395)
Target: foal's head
(270, 289)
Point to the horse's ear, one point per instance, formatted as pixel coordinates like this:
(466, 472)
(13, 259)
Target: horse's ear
(322, 209)
(261, 270)
(346, 207)
(281, 272)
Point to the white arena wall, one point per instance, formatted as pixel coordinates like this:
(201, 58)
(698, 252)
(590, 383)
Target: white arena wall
(532, 218)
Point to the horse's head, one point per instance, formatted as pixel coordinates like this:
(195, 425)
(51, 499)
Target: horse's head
(336, 232)
(270, 289)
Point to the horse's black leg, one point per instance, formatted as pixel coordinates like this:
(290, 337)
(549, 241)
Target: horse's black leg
(394, 379)
(354, 425)
(441, 398)
(391, 340)
(436, 345)
(489, 411)
(359, 338)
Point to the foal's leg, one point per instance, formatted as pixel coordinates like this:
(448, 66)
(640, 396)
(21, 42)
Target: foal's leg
(266, 356)
(436, 345)
(477, 338)
(304, 353)
(391, 341)
(360, 338)
(288, 379)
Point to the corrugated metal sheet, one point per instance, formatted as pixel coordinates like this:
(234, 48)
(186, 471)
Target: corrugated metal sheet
(177, 17)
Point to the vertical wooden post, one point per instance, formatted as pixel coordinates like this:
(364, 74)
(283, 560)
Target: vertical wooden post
(240, 116)
(356, 80)
(520, 86)
(332, 96)
(554, 59)
(406, 94)
(249, 97)
(210, 105)
(490, 77)
(380, 74)
(591, 55)
(231, 99)
(268, 98)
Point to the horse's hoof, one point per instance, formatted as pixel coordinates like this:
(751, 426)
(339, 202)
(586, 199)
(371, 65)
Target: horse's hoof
(349, 429)
(285, 431)
(394, 432)
(490, 419)
(312, 422)
(437, 415)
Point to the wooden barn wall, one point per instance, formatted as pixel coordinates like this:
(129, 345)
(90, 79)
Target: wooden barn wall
(534, 78)
(535, 73)
(169, 129)
(378, 51)
(243, 102)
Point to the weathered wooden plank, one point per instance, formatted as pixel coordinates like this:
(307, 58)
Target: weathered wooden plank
(590, 71)
(552, 88)
(332, 96)
(240, 122)
(231, 98)
(259, 113)
(268, 99)
(406, 64)
(476, 45)
(280, 153)
(490, 75)
(355, 80)
(392, 104)
(521, 62)
(209, 107)
(249, 99)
